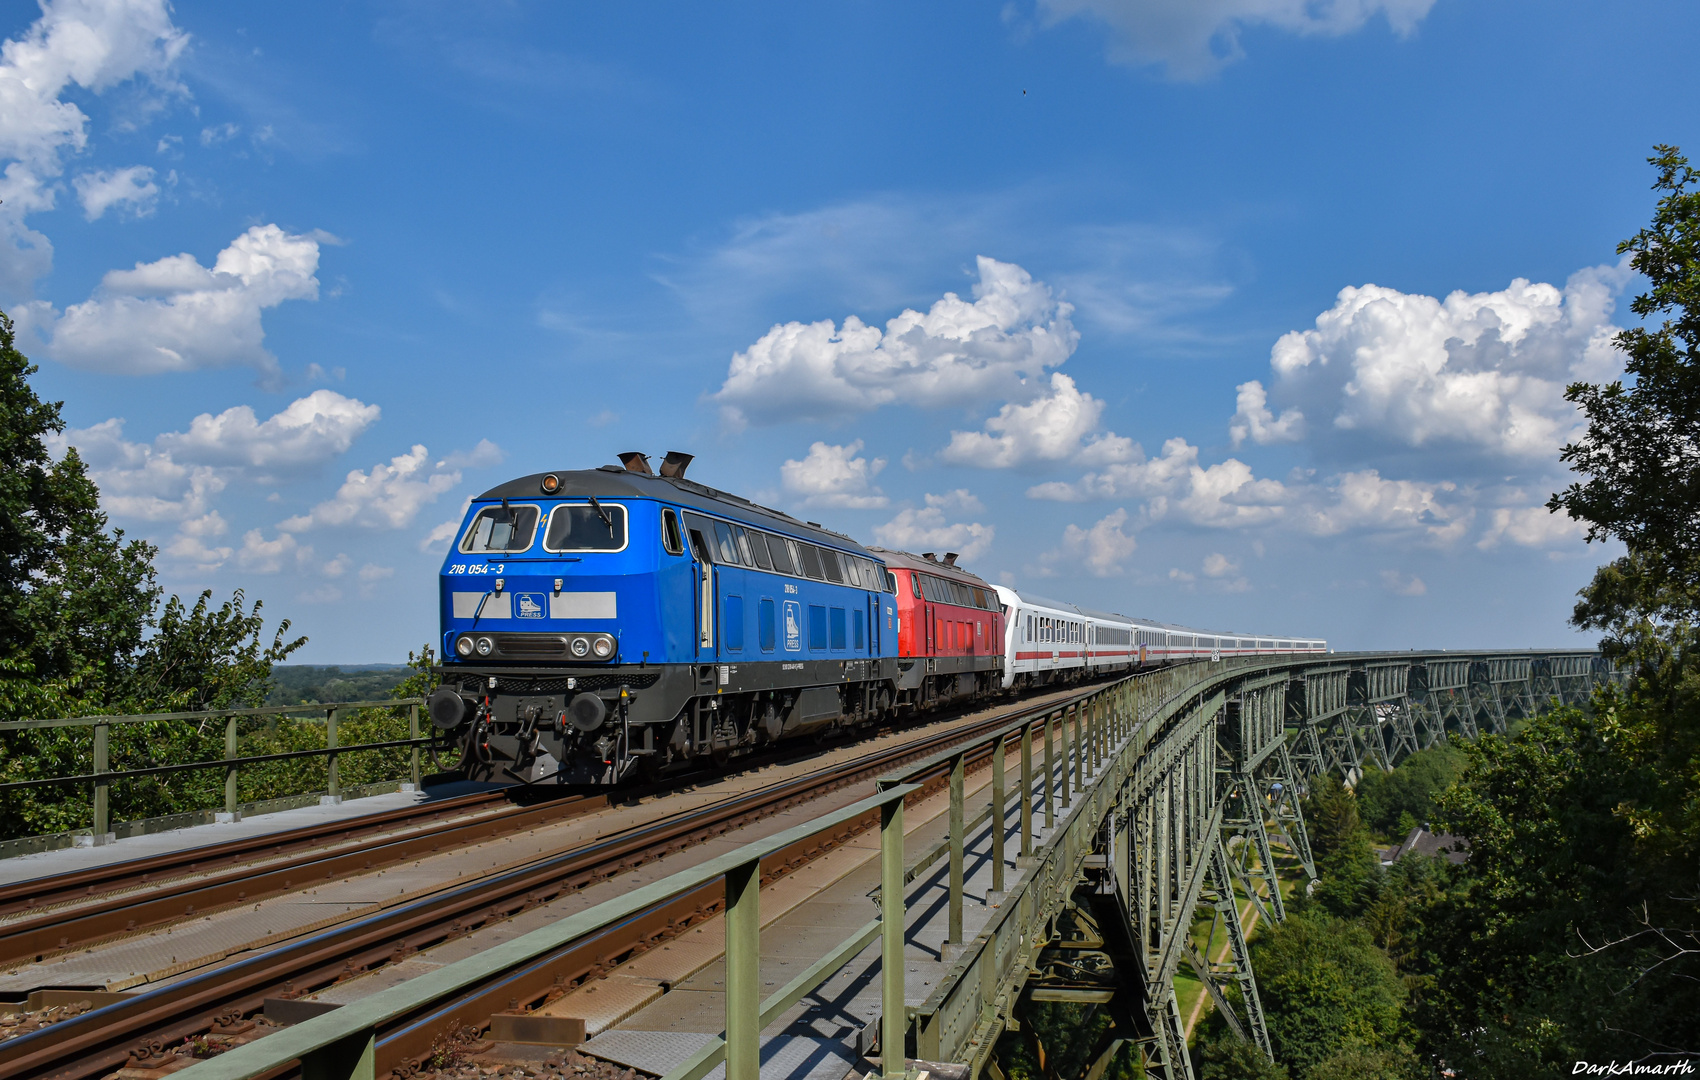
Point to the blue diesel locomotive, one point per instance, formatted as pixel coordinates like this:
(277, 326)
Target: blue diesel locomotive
(618, 622)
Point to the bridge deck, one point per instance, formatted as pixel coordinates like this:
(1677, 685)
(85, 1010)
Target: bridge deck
(825, 1036)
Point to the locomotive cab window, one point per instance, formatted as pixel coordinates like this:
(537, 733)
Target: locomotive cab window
(504, 529)
(671, 538)
(582, 527)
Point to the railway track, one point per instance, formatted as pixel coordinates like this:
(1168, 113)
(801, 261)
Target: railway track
(136, 1031)
(41, 894)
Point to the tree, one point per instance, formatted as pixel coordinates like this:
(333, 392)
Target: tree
(1325, 986)
(1346, 864)
(1393, 803)
(82, 631)
(74, 599)
(1640, 456)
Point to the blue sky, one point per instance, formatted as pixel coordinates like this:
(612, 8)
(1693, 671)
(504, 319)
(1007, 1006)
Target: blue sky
(1253, 314)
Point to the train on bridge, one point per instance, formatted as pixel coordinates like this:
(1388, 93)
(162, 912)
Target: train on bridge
(605, 624)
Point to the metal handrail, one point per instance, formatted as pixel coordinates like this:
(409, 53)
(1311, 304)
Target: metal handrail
(342, 1045)
(206, 714)
(101, 777)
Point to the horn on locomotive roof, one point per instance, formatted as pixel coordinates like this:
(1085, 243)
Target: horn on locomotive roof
(950, 558)
(634, 462)
(675, 464)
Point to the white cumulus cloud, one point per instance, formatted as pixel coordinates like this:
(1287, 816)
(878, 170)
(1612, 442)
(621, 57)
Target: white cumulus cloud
(308, 432)
(1101, 549)
(958, 352)
(1224, 495)
(102, 190)
(1254, 420)
(1192, 39)
(138, 480)
(383, 497)
(834, 476)
(177, 315)
(1478, 374)
(176, 477)
(262, 556)
(1531, 526)
(928, 528)
(1363, 500)
(94, 45)
(1057, 426)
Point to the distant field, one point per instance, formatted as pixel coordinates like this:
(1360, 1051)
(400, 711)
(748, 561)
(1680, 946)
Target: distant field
(307, 684)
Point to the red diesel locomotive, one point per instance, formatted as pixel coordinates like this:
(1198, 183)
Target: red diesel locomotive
(950, 641)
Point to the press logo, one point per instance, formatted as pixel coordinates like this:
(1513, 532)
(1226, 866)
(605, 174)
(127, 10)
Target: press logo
(530, 605)
(1633, 1068)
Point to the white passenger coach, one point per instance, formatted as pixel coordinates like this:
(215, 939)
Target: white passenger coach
(1049, 641)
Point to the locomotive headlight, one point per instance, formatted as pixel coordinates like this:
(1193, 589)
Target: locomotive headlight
(580, 647)
(463, 645)
(486, 646)
(603, 648)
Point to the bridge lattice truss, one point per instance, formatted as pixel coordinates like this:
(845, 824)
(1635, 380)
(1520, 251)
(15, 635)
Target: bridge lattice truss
(1187, 781)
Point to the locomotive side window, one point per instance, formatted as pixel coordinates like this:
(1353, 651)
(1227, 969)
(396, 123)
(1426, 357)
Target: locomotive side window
(579, 527)
(744, 546)
(755, 546)
(727, 547)
(781, 553)
(503, 529)
(811, 562)
(829, 562)
(671, 538)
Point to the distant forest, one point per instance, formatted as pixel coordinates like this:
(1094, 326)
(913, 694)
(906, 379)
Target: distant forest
(309, 684)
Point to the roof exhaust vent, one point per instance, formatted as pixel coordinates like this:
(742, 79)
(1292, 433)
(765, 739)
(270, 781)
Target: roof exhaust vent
(634, 462)
(950, 558)
(673, 466)
(927, 555)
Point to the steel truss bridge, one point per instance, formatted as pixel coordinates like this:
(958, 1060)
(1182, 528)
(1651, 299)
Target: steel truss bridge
(1139, 806)
(1183, 782)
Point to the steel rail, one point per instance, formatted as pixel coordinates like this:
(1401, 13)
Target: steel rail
(22, 896)
(95, 1043)
(57, 931)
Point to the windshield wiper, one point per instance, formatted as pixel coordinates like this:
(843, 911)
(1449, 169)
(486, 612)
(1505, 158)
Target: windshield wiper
(603, 514)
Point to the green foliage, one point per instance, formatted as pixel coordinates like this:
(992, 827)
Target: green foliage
(309, 684)
(1394, 803)
(1225, 1056)
(1363, 1061)
(206, 658)
(1582, 837)
(1345, 861)
(1325, 986)
(1058, 1039)
(421, 680)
